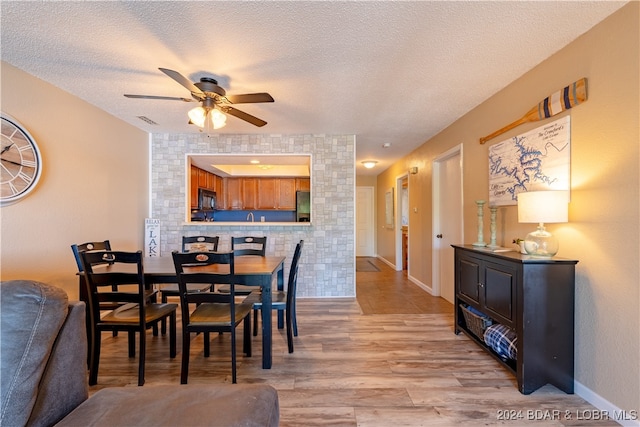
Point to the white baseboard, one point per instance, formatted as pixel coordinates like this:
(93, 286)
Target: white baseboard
(386, 262)
(624, 418)
(424, 286)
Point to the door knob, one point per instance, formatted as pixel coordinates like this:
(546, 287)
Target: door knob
(439, 236)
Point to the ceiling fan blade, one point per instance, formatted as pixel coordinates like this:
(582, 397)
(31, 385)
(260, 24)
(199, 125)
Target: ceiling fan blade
(182, 80)
(249, 98)
(169, 98)
(242, 115)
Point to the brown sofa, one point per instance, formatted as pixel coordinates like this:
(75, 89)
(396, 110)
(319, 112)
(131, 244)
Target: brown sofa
(44, 377)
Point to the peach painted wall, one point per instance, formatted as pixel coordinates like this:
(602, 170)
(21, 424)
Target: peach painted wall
(94, 184)
(603, 228)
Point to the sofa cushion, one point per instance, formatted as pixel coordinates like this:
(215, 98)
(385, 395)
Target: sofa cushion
(179, 405)
(64, 383)
(32, 314)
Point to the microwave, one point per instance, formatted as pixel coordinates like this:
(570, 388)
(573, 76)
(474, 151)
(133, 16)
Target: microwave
(206, 200)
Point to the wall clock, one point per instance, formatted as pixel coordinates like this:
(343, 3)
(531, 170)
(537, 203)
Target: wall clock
(20, 161)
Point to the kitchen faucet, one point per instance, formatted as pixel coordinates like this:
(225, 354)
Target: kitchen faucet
(250, 215)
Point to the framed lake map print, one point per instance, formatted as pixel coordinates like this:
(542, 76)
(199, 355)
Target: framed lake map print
(537, 160)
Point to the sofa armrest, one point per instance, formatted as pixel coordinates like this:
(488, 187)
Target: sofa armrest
(64, 383)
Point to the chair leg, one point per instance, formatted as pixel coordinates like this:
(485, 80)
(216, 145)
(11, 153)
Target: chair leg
(184, 371)
(141, 356)
(289, 331)
(95, 359)
(207, 344)
(163, 329)
(255, 322)
(233, 356)
(294, 318)
(246, 344)
(132, 343)
(172, 334)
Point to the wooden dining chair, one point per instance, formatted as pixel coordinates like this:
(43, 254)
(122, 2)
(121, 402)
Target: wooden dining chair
(190, 244)
(243, 246)
(200, 243)
(134, 314)
(101, 246)
(249, 246)
(283, 300)
(214, 312)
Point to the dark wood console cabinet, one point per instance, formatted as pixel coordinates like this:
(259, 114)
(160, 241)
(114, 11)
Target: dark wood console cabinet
(533, 296)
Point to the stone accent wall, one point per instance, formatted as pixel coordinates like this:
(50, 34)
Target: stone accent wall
(327, 264)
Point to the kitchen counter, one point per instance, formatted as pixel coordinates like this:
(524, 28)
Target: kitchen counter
(245, 224)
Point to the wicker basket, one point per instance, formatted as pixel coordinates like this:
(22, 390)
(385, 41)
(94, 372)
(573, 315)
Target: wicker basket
(476, 324)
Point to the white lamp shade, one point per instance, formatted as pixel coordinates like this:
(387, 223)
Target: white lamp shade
(543, 206)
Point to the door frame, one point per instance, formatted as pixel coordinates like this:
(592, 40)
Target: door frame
(437, 187)
(398, 221)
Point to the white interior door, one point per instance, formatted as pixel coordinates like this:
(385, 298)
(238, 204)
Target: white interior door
(364, 222)
(448, 216)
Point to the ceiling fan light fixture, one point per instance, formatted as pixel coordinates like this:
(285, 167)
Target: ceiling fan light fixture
(369, 164)
(218, 119)
(197, 116)
(201, 116)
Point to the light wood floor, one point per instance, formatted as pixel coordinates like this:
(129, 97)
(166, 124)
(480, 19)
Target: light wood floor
(389, 358)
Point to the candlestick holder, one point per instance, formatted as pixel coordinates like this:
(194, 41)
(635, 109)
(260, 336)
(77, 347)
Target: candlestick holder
(480, 241)
(494, 213)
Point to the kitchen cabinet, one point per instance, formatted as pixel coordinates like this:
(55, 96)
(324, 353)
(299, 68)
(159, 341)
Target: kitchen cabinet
(534, 297)
(233, 191)
(194, 188)
(202, 178)
(249, 193)
(303, 184)
(267, 193)
(287, 194)
(276, 193)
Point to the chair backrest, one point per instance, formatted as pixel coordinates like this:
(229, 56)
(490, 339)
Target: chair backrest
(249, 245)
(293, 274)
(88, 247)
(125, 268)
(200, 243)
(204, 267)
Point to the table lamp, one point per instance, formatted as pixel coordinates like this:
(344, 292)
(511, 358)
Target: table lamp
(542, 206)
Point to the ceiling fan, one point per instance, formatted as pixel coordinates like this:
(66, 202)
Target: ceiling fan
(214, 101)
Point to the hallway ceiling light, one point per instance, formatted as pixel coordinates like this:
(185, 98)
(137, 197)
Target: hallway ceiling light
(369, 163)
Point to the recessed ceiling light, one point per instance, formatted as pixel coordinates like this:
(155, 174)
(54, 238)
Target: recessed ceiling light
(254, 162)
(386, 145)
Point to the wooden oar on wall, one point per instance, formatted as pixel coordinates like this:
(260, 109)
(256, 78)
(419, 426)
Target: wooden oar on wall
(570, 96)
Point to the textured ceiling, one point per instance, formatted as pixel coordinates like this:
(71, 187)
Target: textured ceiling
(388, 72)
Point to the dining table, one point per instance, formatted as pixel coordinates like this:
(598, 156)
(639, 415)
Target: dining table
(251, 270)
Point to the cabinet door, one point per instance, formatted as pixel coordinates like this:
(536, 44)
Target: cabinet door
(211, 181)
(233, 192)
(202, 178)
(267, 193)
(287, 194)
(219, 189)
(469, 278)
(499, 292)
(303, 184)
(249, 188)
(194, 187)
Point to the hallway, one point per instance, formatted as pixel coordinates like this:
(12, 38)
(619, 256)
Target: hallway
(390, 292)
